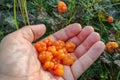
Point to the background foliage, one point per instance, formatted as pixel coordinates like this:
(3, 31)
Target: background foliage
(15, 14)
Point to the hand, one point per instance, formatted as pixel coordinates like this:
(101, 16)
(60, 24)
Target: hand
(18, 57)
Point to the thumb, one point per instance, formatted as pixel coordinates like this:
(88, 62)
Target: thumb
(31, 32)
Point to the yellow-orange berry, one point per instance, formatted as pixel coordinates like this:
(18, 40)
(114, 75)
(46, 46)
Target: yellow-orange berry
(112, 47)
(58, 70)
(59, 44)
(36, 45)
(68, 60)
(70, 46)
(40, 46)
(48, 41)
(45, 56)
(60, 54)
(48, 65)
(52, 49)
(62, 7)
(110, 19)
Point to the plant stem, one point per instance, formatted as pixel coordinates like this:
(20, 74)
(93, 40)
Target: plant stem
(22, 11)
(15, 16)
(26, 12)
(118, 76)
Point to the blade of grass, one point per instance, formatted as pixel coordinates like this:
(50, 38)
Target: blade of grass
(118, 76)
(22, 11)
(26, 12)
(15, 17)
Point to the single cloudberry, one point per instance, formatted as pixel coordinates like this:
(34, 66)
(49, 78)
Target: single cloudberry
(60, 54)
(40, 46)
(52, 49)
(48, 41)
(48, 65)
(45, 56)
(70, 46)
(68, 60)
(58, 70)
(112, 47)
(59, 44)
(110, 19)
(62, 7)
(36, 45)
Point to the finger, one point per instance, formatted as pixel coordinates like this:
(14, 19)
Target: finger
(68, 74)
(88, 42)
(85, 61)
(82, 35)
(67, 32)
(31, 32)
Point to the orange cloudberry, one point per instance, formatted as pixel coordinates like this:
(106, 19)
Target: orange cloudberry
(59, 44)
(48, 41)
(48, 65)
(112, 47)
(58, 70)
(68, 60)
(62, 7)
(110, 19)
(40, 46)
(45, 56)
(70, 46)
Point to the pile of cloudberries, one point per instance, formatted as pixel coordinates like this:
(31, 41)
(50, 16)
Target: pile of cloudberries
(54, 54)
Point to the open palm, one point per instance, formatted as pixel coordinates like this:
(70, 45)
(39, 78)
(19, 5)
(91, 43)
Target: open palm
(18, 57)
